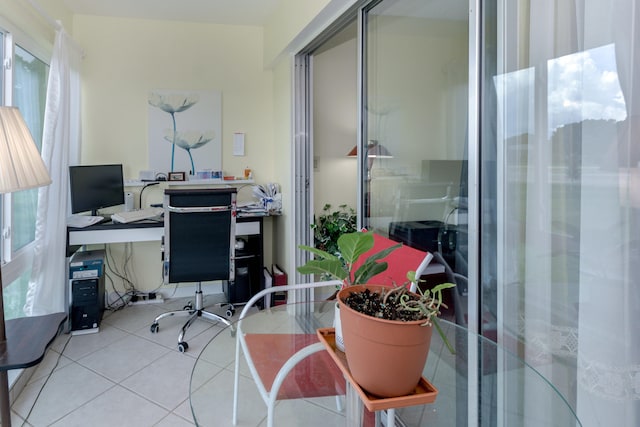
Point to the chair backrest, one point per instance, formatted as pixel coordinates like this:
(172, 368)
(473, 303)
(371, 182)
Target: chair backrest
(199, 239)
(400, 261)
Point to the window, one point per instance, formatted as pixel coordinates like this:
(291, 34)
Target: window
(23, 84)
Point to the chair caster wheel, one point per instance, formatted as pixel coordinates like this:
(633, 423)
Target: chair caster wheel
(154, 328)
(231, 311)
(188, 307)
(183, 346)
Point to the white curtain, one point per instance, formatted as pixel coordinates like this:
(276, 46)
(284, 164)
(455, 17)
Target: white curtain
(609, 346)
(48, 284)
(573, 179)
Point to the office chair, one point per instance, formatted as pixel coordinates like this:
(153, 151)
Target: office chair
(198, 245)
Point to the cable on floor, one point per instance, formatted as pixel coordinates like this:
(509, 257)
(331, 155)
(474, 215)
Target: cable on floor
(33, 405)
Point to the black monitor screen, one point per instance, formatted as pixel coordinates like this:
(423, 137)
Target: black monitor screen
(95, 187)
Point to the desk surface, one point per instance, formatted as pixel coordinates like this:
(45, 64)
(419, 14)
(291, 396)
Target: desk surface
(509, 391)
(141, 231)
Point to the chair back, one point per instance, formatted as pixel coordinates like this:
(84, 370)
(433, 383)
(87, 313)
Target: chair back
(400, 262)
(199, 239)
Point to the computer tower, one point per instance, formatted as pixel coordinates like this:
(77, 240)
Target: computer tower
(86, 291)
(87, 303)
(239, 291)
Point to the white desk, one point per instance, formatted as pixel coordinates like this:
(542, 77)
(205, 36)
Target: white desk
(248, 227)
(143, 232)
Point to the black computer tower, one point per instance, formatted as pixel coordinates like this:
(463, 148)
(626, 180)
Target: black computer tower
(238, 291)
(86, 289)
(87, 303)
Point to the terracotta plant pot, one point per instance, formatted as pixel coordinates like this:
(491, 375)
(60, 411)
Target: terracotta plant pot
(386, 357)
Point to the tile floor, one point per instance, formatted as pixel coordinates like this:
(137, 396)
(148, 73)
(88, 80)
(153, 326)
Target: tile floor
(126, 376)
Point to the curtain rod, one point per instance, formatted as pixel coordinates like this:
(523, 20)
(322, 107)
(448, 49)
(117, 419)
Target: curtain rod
(55, 24)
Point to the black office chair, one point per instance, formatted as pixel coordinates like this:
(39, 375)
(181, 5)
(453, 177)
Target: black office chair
(198, 245)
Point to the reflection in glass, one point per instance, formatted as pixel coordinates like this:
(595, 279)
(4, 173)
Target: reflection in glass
(416, 63)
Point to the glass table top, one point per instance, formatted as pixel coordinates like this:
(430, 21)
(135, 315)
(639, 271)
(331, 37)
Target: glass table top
(481, 384)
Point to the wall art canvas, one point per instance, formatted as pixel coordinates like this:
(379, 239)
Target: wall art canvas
(185, 131)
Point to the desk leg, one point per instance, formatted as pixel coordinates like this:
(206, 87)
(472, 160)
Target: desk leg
(5, 401)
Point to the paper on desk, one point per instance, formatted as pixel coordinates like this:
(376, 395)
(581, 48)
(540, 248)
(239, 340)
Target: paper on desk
(82, 221)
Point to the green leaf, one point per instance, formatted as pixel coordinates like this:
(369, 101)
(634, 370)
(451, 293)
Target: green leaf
(442, 286)
(319, 253)
(333, 268)
(352, 245)
(383, 253)
(367, 271)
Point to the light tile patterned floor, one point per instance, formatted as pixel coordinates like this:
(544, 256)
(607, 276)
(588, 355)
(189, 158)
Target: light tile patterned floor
(126, 376)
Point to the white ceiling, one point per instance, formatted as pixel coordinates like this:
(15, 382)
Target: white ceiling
(246, 12)
(234, 12)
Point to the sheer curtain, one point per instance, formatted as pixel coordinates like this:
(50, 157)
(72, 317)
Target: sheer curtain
(46, 293)
(609, 348)
(571, 251)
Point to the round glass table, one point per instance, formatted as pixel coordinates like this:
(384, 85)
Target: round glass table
(481, 384)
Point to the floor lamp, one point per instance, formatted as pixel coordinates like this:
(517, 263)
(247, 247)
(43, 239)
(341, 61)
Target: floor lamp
(21, 168)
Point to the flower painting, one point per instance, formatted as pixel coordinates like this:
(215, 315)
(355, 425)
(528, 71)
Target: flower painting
(185, 129)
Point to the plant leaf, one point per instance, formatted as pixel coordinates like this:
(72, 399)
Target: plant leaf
(367, 271)
(383, 253)
(332, 267)
(352, 245)
(319, 253)
(442, 286)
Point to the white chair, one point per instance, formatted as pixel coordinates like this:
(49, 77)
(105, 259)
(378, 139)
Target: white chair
(269, 393)
(400, 261)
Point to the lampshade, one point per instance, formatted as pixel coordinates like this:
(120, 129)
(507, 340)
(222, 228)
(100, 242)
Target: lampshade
(374, 149)
(21, 166)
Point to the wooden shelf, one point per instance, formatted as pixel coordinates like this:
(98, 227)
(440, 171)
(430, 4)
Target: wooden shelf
(217, 181)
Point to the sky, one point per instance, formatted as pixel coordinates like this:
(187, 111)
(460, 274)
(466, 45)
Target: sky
(580, 86)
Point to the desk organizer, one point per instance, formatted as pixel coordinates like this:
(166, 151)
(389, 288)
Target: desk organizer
(424, 392)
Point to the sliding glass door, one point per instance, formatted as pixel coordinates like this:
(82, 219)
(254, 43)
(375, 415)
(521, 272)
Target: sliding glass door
(503, 135)
(554, 187)
(415, 64)
(564, 76)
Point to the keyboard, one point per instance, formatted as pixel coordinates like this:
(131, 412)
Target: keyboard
(82, 221)
(139, 215)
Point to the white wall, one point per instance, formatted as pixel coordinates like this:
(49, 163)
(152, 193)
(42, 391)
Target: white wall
(128, 58)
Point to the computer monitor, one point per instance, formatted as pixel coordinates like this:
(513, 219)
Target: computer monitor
(95, 187)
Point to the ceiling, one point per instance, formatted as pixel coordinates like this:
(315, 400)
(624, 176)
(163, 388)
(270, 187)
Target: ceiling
(246, 12)
(234, 12)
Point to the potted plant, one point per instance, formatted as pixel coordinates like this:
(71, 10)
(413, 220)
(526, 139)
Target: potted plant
(340, 265)
(373, 315)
